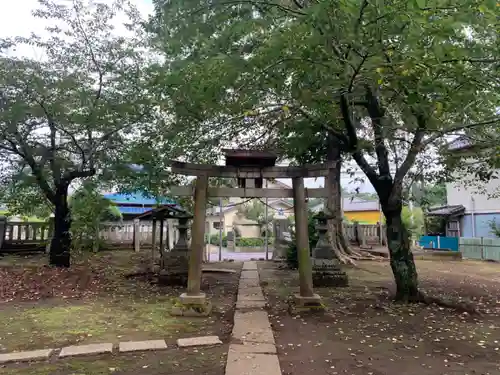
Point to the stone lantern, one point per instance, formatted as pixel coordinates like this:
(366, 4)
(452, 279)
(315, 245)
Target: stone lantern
(326, 266)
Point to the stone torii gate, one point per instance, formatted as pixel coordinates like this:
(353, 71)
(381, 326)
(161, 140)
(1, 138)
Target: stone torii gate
(250, 167)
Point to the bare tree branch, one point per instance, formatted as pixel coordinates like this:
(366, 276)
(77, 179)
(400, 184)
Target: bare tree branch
(415, 148)
(455, 128)
(356, 153)
(376, 113)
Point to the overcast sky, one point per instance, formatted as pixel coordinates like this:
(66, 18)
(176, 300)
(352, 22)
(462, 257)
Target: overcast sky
(16, 20)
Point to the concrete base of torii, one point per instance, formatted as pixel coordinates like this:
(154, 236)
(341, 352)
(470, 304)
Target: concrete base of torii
(192, 306)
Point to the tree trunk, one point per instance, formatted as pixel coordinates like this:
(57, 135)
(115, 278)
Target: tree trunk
(60, 245)
(402, 262)
(334, 203)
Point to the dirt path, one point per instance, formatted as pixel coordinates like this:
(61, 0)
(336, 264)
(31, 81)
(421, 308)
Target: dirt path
(364, 333)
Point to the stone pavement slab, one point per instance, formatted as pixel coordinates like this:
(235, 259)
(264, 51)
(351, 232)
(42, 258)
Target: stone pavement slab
(252, 326)
(133, 346)
(253, 347)
(252, 319)
(249, 283)
(249, 266)
(253, 351)
(218, 270)
(86, 349)
(250, 274)
(25, 356)
(250, 304)
(252, 364)
(250, 293)
(199, 341)
(251, 297)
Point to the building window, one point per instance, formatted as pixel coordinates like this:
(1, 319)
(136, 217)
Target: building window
(281, 212)
(217, 224)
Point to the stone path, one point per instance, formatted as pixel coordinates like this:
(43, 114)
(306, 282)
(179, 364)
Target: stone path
(252, 350)
(238, 257)
(93, 349)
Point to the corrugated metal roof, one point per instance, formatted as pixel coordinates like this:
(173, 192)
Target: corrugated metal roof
(446, 210)
(136, 198)
(356, 204)
(124, 210)
(167, 211)
(352, 205)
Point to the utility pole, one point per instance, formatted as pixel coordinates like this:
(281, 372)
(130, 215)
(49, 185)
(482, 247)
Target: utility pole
(421, 201)
(266, 227)
(220, 229)
(381, 223)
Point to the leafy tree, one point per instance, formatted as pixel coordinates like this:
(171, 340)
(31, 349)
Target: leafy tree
(68, 116)
(495, 228)
(292, 259)
(23, 197)
(256, 211)
(426, 196)
(369, 77)
(88, 210)
(474, 159)
(320, 145)
(414, 221)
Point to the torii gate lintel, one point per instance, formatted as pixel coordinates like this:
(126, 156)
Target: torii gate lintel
(249, 167)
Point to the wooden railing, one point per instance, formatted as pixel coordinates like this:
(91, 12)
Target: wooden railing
(369, 233)
(24, 236)
(26, 232)
(35, 235)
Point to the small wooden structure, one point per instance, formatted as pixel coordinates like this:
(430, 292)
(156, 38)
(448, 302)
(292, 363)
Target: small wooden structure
(132, 205)
(249, 167)
(174, 260)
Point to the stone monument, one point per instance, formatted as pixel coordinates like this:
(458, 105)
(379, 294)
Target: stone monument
(326, 266)
(281, 241)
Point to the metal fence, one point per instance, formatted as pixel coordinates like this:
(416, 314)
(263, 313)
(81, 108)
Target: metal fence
(440, 242)
(480, 248)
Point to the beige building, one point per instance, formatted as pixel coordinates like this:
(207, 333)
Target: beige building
(231, 218)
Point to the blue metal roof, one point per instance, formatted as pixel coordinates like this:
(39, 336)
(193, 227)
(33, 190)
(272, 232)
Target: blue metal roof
(148, 203)
(136, 198)
(133, 210)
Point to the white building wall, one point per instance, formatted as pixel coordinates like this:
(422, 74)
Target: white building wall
(477, 197)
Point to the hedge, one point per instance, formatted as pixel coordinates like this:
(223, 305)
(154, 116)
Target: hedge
(214, 240)
(241, 241)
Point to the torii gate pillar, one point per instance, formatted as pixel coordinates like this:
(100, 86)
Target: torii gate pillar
(306, 298)
(250, 167)
(194, 302)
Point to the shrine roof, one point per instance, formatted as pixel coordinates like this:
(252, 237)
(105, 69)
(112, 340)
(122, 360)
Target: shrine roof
(250, 158)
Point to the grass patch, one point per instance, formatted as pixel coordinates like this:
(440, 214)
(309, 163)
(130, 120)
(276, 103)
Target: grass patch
(94, 321)
(96, 300)
(210, 361)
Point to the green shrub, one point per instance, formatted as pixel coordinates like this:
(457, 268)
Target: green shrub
(214, 240)
(494, 228)
(249, 242)
(88, 209)
(242, 241)
(292, 259)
